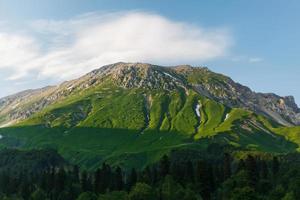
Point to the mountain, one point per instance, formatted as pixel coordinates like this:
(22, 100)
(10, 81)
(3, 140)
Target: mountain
(132, 113)
(138, 75)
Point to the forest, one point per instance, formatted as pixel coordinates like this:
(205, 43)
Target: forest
(39, 175)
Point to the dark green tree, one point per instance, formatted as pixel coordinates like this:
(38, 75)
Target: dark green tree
(142, 191)
(205, 179)
(252, 170)
(164, 166)
(264, 170)
(97, 182)
(226, 166)
(60, 180)
(87, 196)
(84, 181)
(132, 178)
(275, 166)
(38, 194)
(118, 179)
(189, 172)
(75, 174)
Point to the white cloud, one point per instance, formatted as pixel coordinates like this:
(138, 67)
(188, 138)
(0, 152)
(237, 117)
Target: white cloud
(15, 50)
(64, 49)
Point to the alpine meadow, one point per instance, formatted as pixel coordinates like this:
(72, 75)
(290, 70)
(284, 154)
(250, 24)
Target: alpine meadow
(114, 101)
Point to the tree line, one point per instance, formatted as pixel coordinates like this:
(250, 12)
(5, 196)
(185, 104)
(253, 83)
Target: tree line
(193, 179)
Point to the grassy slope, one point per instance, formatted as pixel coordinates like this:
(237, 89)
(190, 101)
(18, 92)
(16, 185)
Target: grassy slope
(290, 133)
(109, 123)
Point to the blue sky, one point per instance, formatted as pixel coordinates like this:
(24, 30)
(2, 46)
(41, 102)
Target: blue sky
(254, 42)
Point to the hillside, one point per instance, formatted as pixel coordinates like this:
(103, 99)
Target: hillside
(138, 75)
(132, 113)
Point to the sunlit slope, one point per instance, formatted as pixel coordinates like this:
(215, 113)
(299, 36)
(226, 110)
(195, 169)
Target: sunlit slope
(134, 127)
(289, 133)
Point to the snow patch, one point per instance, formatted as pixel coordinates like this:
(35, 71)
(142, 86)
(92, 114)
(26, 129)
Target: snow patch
(197, 110)
(226, 117)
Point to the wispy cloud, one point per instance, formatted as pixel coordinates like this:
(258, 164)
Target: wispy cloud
(68, 48)
(246, 59)
(255, 60)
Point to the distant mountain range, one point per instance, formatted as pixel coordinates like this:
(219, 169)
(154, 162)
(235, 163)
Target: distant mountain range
(131, 113)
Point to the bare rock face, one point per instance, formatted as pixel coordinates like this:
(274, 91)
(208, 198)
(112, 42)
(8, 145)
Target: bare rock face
(150, 77)
(144, 76)
(283, 110)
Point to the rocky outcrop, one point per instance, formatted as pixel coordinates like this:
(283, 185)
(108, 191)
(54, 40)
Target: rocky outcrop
(283, 110)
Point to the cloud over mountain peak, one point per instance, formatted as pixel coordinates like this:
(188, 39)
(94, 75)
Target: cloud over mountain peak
(66, 48)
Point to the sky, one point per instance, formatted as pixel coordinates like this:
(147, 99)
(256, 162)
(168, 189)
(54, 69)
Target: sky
(46, 42)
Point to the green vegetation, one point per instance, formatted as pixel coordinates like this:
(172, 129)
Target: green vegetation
(214, 173)
(290, 133)
(147, 133)
(135, 127)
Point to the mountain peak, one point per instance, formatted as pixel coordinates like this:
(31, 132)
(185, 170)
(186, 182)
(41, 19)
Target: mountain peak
(141, 75)
(149, 78)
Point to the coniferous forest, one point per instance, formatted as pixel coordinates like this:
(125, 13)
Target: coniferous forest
(43, 174)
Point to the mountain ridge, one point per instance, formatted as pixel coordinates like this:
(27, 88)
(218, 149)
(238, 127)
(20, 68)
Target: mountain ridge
(141, 75)
(132, 113)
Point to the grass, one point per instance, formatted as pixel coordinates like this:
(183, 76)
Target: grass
(290, 133)
(185, 119)
(105, 124)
